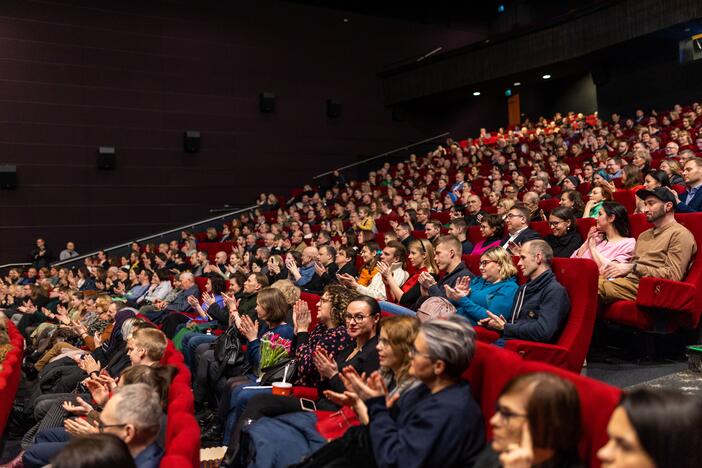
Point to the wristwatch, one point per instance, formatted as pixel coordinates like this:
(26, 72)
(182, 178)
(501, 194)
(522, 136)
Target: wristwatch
(633, 269)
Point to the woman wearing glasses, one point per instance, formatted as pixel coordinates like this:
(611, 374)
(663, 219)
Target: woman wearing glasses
(493, 291)
(536, 423)
(564, 238)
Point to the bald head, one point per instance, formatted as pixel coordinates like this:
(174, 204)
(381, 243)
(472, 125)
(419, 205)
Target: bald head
(309, 255)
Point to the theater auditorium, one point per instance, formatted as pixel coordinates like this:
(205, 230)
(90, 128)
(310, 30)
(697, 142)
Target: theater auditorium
(298, 233)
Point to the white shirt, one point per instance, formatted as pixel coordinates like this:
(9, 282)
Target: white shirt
(376, 288)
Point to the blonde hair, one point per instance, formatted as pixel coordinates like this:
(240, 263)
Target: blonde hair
(401, 331)
(425, 247)
(289, 290)
(152, 340)
(503, 259)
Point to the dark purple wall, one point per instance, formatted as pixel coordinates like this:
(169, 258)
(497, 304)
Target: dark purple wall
(75, 75)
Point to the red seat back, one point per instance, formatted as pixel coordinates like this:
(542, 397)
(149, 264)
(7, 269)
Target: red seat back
(626, 198)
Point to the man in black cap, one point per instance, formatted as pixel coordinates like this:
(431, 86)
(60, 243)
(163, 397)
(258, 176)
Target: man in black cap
(664, 251)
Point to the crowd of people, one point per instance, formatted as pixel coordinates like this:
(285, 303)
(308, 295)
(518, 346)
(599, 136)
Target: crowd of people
(96, 333)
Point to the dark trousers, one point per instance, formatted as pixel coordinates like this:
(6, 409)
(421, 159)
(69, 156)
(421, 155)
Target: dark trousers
(49, 442)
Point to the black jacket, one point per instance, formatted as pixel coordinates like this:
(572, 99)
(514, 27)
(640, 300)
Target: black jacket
(450, 278)
(540, 310)
(564, 246)
(524, 236)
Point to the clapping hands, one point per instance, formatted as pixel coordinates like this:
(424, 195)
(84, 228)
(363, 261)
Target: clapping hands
(460, 290)
(248, 328)
(302, 318)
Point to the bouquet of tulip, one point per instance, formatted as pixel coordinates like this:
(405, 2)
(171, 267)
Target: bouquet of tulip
(274, 349)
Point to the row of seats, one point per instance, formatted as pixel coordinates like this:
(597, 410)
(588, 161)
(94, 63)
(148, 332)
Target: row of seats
(11, 373)
(182, 430)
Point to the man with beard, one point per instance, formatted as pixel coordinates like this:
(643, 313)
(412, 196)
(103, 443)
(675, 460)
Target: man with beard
(664, 251)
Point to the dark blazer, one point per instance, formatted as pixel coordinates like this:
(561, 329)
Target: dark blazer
(524, 236)
(349, 268)
(565, 245)
(694, 205)
(180, 303)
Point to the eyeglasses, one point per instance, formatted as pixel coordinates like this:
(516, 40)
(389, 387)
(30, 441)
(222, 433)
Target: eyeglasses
(507, 414)
(358, 318)
(484, 263)
(512, 215)
(102, 426)
(554, 223)
(324, 300)
(414, 352)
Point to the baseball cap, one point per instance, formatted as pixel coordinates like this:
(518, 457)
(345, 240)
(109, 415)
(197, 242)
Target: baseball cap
(661, 193)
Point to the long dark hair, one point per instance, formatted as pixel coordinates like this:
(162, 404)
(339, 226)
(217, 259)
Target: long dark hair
(660, 177)
(667, 424)
(621, 217)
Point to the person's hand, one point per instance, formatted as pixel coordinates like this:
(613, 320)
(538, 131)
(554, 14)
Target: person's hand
(105, 379)
(319, 269)
(371, 387)
(274, 267)
(292, 266)
(675, 194)
(302, 318)
(208, 298)
(514, 248)
(248, 328)
(97, 339)
(519, 455)
(493, 321)
(426, 280)
(79, 427)
(616, 270)
(231, 301)
(352, 400)
(347, 280)
(384, 270)
(80, 409)
(326, 365)
(89, 364)
(99, 392)
(79, 327)
(456, 294)
(192, 300)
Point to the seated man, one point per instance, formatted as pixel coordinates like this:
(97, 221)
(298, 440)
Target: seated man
(393, 257)
(541, 305)
(690, 200)
(459, 229)
(303, 274)
(161, 309)
(664, 251)
(517, 223)
(448, 261)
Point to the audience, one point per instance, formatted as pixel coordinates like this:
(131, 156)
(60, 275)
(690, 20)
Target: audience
(691, 199)
(491, 230)
(449, 262)
(608, 240)
(518, 230)
(564, 238)
(421, 259)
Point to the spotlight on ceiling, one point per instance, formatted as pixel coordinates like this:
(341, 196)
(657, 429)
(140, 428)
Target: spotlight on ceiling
(517, 83)
(476, 93)
(546, 77)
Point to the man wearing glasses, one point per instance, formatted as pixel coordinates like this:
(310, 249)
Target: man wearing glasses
(517, 221)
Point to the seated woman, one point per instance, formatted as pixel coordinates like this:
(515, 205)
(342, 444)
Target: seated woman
(673, 170)
(598, 195)
(493, 291)
(271, 309)
(608, 240)
(536, 423)
(564, 238)
(437, 423)
(491, 229)
(654, 429)
(421, 256)
(574, 200)
(361, 318)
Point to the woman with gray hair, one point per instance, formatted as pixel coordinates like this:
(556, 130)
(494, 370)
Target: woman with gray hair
(437, 423)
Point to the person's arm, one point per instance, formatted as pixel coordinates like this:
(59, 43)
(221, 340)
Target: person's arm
(679, 253)
(499, 302)
(305, 276)
(376, 288)
(554, 305)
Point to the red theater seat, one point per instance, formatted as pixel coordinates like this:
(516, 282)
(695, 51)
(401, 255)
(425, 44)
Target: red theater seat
(664, 306)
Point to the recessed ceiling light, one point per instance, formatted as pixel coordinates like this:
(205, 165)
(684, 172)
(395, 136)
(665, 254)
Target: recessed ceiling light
(346, 20)
(546, 77)
(476, 93)
(517, 83)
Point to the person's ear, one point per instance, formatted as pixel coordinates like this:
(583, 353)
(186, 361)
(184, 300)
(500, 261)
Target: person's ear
(439, 367)
(129, 433)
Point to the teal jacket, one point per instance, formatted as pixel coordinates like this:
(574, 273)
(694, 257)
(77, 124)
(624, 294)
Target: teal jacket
(495, 297)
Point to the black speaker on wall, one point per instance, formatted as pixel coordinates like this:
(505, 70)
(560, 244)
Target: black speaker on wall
(191, 141)
(106, 158)
(266, 101)
(8, 176)
(333, 109)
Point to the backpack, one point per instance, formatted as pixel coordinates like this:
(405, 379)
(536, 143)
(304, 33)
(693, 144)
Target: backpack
(230, 355)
